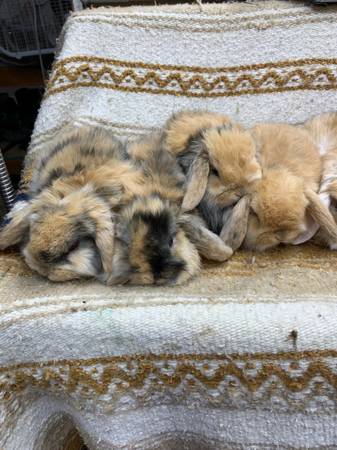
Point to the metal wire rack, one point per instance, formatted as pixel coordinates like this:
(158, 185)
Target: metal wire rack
(30, 27)
(6, 188)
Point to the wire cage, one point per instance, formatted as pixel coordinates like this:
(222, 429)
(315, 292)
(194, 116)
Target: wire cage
(30, 27)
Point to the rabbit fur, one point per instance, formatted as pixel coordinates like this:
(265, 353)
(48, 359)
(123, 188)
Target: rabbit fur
(66, 230)
(218, 158)
(140, 214)
(83, 182)
(276, 165)
(156, 243)
(150, 246)
(323, 130)
(285, 206)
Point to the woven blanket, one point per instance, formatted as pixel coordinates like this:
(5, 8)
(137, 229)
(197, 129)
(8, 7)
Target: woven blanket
(244, 356)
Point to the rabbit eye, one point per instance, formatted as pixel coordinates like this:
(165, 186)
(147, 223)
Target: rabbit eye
(170, 241)
(214, 172)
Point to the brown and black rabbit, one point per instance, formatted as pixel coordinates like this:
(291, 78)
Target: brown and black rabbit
(155, 242)
(66, 230)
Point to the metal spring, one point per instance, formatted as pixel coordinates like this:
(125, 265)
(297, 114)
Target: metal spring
(6, 189)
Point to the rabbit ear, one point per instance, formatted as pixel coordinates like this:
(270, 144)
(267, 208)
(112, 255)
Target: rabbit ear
(321, 214)
(105, 233)
(312, 225)
(197, 178)
(105, 243)
(208, 244)
(15, 226)
(235, 228)
(122, 232)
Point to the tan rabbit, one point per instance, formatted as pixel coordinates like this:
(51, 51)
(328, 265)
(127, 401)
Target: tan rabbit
(323, 129)
(219, 160)
(66, 230)
(285, 206)
(215, 153)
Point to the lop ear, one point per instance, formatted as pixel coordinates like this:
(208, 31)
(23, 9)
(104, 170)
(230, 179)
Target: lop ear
(321, 214)
(121, 230)
(208, 244)
(235, 228)
(197, 178)
(105, 233)
(105, 243)
(16, 224)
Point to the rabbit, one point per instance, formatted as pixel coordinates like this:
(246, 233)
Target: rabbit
(164, 170)
(285, 206)
(155, 243)
(219, 160)
(323, 130)
(217, 147)
(150, 247)
(66, 229)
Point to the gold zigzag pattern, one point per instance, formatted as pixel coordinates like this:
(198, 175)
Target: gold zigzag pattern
(200, 69)
(229, 394)
(144, 372)
(187, 80)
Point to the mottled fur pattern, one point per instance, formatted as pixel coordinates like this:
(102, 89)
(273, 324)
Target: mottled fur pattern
(123, 214)
(151, 247)
(209, 245)
(66, 230)
(163, 174)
